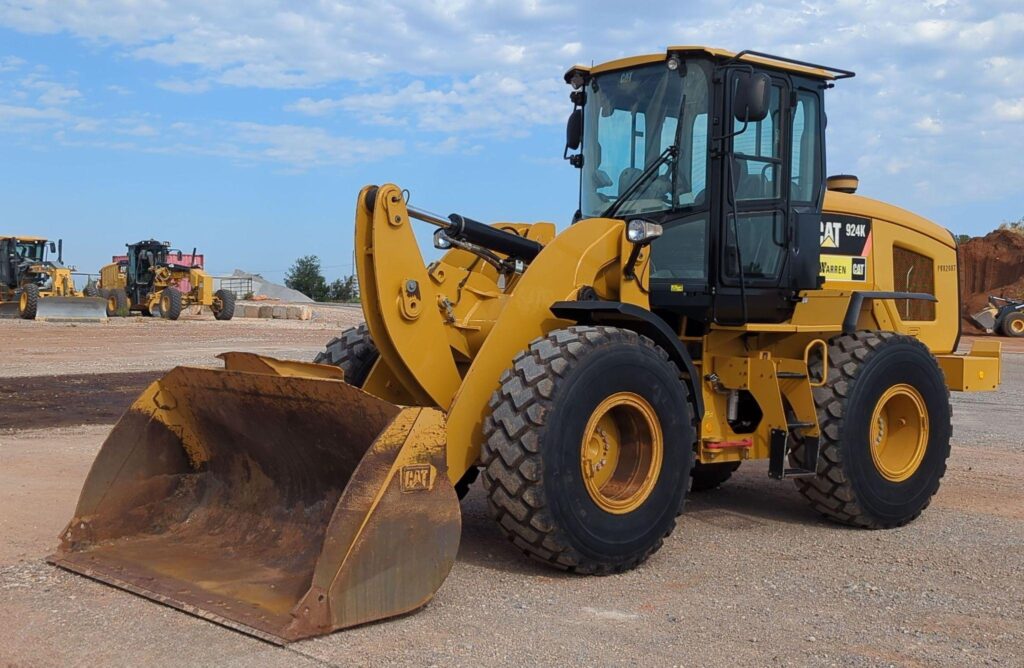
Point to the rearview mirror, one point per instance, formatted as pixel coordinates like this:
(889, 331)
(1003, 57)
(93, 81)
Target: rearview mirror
(179, 256)
(574, 130)
(752, 94)
(53, 247)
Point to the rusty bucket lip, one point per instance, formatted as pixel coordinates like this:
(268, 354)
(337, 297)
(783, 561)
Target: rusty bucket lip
(72, 565)
(278, 640)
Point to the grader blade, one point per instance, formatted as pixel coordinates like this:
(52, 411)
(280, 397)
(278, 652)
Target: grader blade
(270, 497)
(61, 309)
(71, 308)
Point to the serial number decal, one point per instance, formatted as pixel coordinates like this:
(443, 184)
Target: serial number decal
(947, 267)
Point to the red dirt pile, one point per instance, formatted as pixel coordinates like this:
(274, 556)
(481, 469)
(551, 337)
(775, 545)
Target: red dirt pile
(991, 265)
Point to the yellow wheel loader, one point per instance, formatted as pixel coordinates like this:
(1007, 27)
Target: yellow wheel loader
(713, 303)
(35, 286)
(155, 279)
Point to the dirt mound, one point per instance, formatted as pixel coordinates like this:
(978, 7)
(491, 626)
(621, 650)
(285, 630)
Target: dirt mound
(991, 265)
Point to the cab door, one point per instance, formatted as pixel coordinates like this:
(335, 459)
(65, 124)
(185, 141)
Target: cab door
(755, 212)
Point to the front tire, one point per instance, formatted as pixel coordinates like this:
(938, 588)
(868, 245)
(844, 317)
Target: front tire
(885, 419)
(355, 353)
(588, 449)
(1012, 324)
(170, 303)
(223, 305)
(117, 302)
(28, 302)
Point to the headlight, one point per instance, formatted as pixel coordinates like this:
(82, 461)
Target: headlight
(640, 231)
(441, 240)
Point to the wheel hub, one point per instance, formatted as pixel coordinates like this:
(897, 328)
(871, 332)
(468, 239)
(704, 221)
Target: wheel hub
(899, 432)
(621, 452)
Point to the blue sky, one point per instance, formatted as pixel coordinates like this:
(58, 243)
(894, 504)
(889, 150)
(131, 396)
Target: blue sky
(247, 128)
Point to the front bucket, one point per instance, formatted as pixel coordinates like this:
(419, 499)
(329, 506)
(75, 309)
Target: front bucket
(986, 319)
(271, 497)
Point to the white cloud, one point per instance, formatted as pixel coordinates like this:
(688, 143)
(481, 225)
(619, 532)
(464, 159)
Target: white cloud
(1009, 110)
(929, 125)
(932, 73)
(487, 104)
(10, 63)
(186, 87)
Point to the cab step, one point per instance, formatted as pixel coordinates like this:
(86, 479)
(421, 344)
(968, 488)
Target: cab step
(790, 375)
(777, 456)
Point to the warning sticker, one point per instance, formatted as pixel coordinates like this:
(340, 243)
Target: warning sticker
(845, 247)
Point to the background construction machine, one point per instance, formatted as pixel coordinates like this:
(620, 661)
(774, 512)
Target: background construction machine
(33, 285)
(154, 278)
(714, 303)
(1002, 316)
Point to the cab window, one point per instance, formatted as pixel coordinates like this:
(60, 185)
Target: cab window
(757, 154)
(806, 147)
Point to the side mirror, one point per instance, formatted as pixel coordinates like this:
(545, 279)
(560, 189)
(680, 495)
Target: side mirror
(53, 247)
(752, 96)
(574, 130)
(179, 256)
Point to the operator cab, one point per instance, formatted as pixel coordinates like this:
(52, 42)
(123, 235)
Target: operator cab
(726, 153)
(17, 255)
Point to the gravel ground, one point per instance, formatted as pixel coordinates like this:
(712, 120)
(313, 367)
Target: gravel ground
(141, 344)
(751, 576)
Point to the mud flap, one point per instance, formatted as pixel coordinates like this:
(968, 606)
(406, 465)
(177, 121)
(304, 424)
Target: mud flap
(271, 497)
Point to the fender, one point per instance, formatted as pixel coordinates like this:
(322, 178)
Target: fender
(641, 321)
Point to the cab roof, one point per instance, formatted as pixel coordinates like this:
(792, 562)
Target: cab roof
(774, 62)
(21, 237)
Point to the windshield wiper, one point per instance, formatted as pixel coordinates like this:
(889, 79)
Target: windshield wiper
(669, 153)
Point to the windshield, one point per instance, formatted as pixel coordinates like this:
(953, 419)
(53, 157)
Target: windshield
(31, 250)
(630, 118)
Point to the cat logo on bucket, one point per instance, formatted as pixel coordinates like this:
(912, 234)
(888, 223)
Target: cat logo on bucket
(417, 477)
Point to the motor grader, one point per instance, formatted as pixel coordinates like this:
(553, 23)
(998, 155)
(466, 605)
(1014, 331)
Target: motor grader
(35, 286)
(716, 301)
(155, 279)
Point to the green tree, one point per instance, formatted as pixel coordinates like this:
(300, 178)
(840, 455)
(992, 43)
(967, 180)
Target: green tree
(1013, 225)
(963, 238)
(343, 290)
(306, 277)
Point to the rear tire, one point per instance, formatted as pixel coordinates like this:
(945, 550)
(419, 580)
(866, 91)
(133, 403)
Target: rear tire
(226, 299)
(91, 290)
(170, 303)
(355, 354)
(1012, 324)
(875, 486)
(589, 399)
(707, 477)
(28, 302)
(117, 303)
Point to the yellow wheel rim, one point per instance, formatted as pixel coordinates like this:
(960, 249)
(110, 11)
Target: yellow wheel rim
(165, 304)
(1017, 326)
(621, 453)
(899, 432)
(112, 304)
(23, 302)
